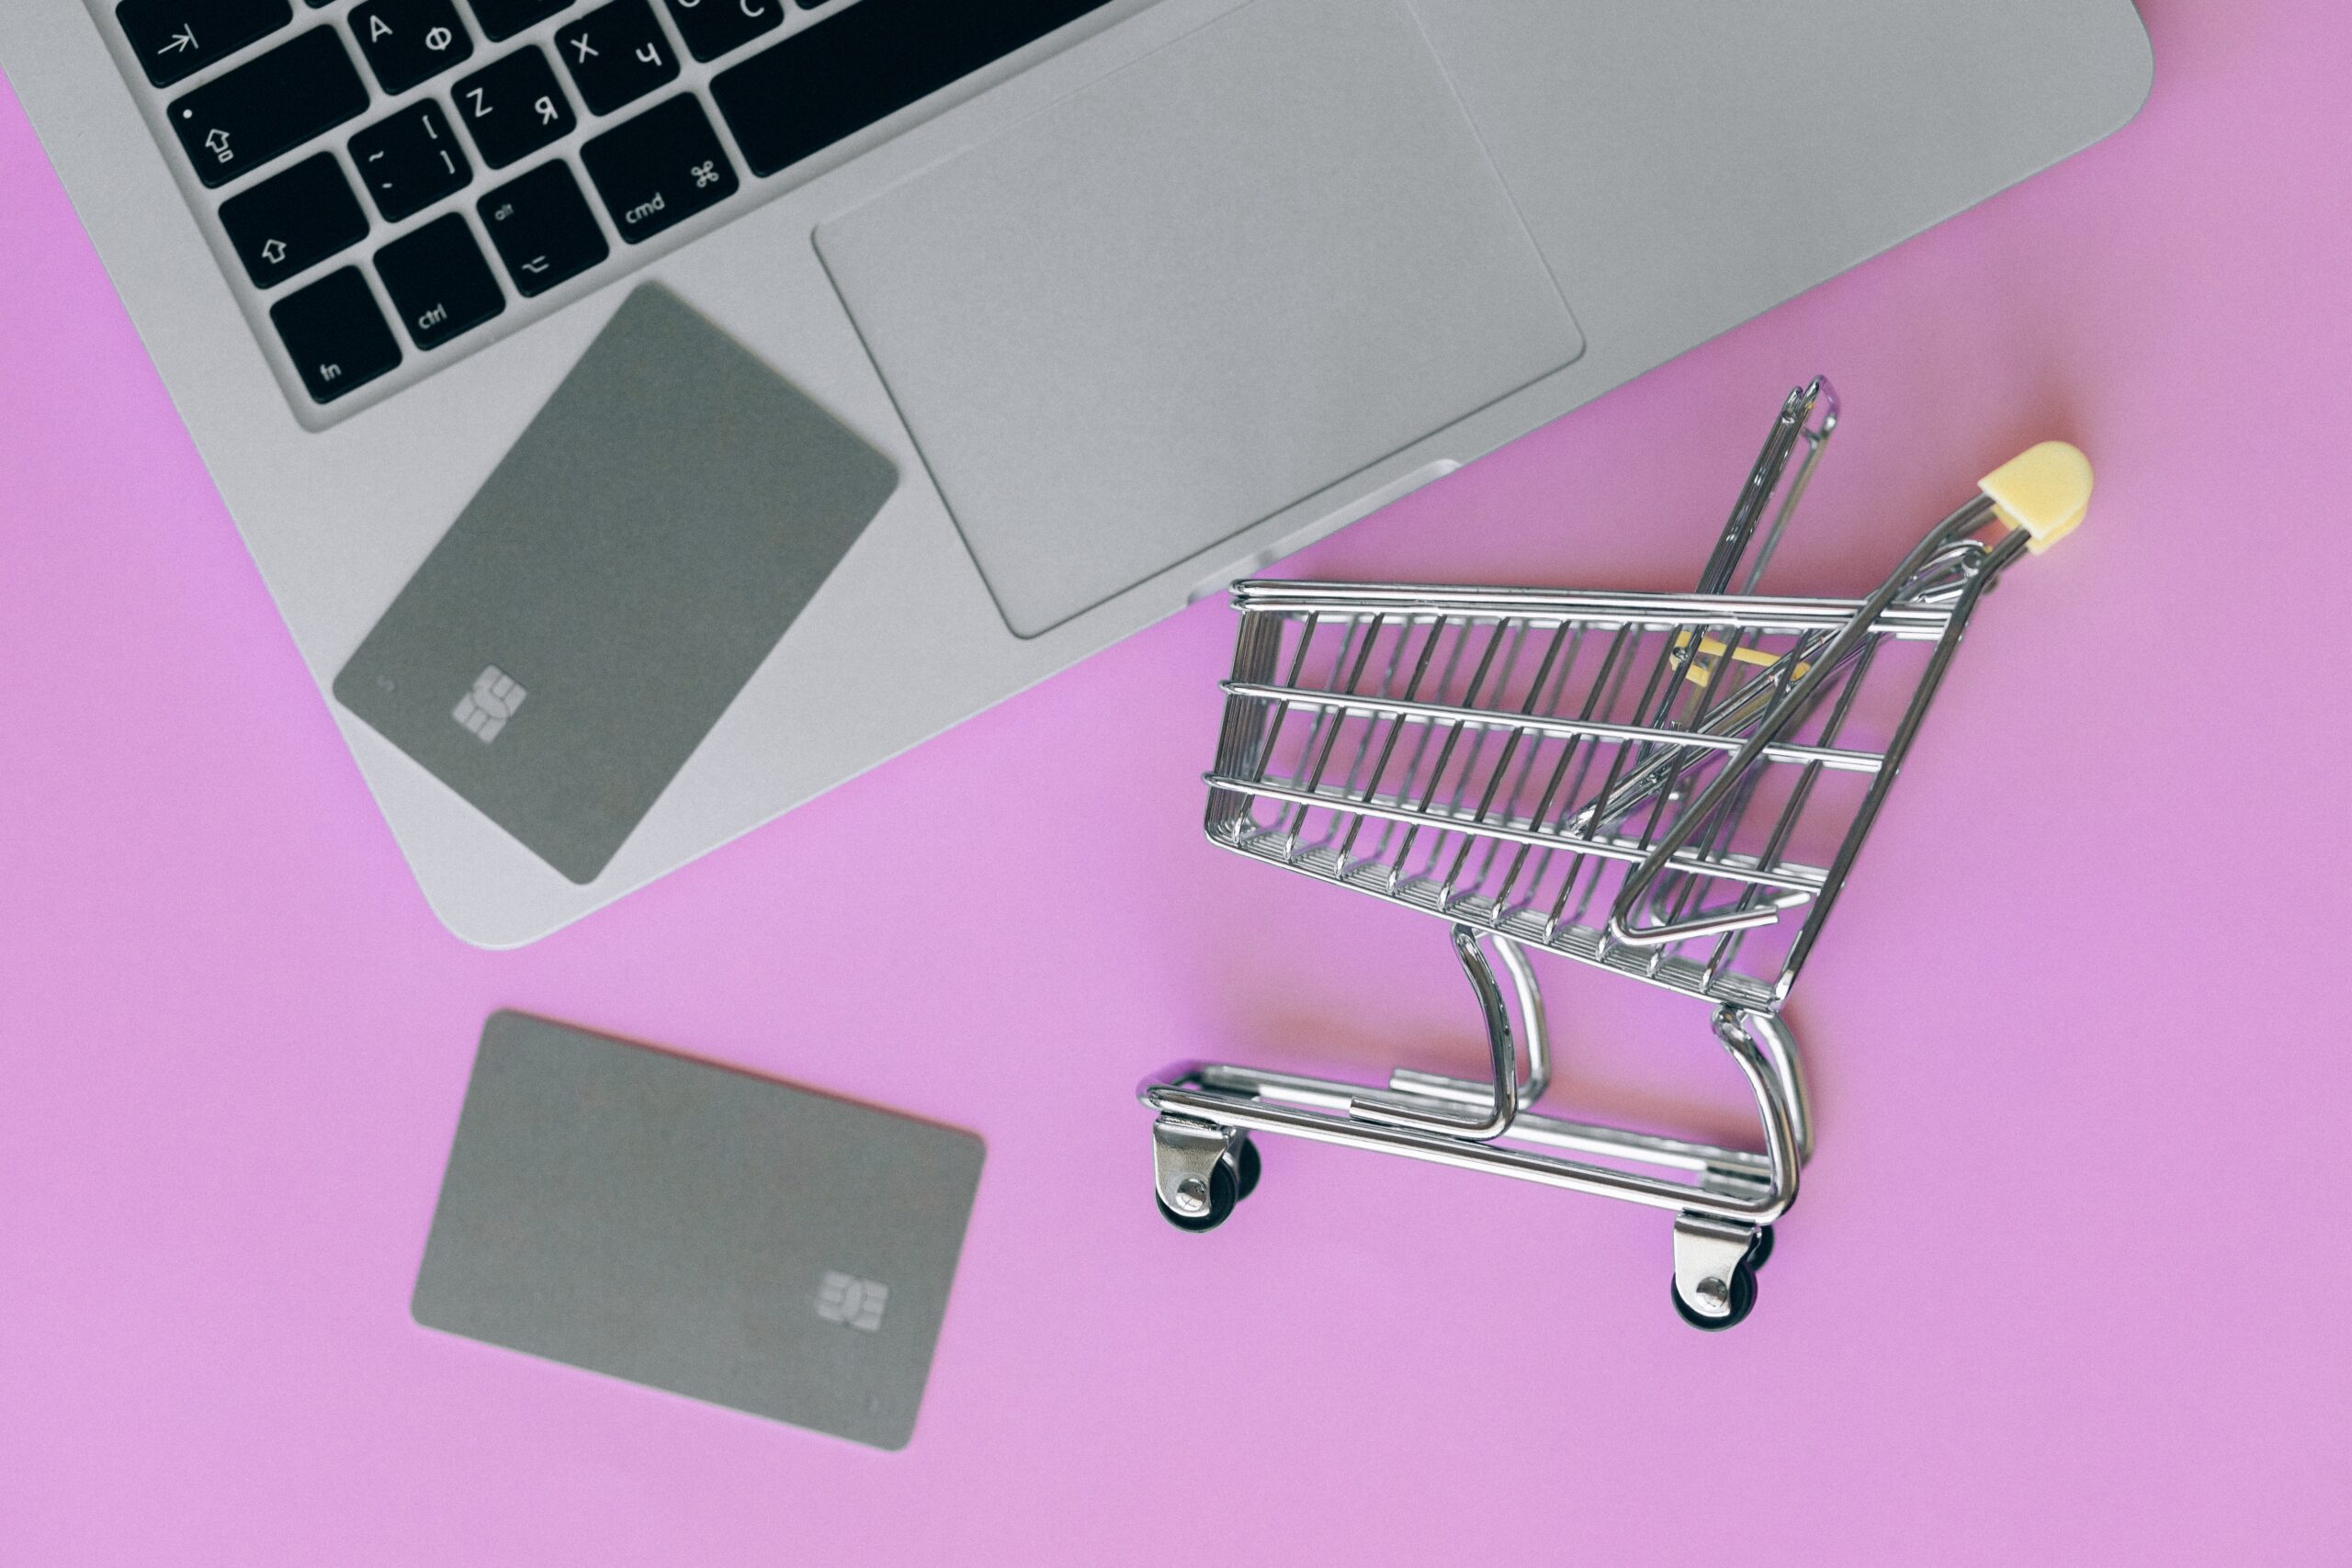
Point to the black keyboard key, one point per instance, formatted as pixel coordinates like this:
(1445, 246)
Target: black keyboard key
(268, 104)
(711, 27)
(293, 220)
(617, 54)
(542, 228)
(336, 334)
(438, 281)
(504, 18)
(407, 41)
(825, 83)
(178, 38)
(513, 107)
(410, 161)
(660, 168)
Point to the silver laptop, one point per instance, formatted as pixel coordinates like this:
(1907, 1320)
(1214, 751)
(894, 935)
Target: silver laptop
(649, 414)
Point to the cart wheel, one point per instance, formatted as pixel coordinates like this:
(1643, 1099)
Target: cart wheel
(1743, 1301)
(1761, 1248)
(1246, 1168)
(1222, 1191)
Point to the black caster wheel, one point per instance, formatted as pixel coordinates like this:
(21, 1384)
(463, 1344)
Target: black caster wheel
(1224, 1192)
(1247, 1167)
(1743, 1301)
(1758, 1250)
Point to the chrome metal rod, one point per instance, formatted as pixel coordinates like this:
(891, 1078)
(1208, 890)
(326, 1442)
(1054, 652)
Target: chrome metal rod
(1503, 1095)
(1778, 1043)
(1774, 1109)
(1764, 479)
(1534, 1024)
(1324, 1094)
(1763, 1046)
(1898, 746)
(1531, 1020)
(1790, 877)
(1533, 724)
(1817, 439)
(1635, 890)
(1497, 1159)
(1588, 1137)
(1668, 612)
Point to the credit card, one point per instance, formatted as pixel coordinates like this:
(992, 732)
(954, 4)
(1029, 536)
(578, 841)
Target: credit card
(615, 582)
(697, 1229)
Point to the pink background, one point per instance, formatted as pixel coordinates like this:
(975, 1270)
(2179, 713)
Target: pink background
(2068, 1282)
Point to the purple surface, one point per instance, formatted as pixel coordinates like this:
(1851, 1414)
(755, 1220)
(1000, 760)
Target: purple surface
(2067, 1284)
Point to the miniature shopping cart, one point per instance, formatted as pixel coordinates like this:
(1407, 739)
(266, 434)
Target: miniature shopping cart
(1668, 786)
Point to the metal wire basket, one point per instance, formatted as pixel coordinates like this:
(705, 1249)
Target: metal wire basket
(1672, 787)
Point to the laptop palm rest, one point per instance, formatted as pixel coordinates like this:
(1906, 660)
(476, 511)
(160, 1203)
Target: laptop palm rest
(1220, 280)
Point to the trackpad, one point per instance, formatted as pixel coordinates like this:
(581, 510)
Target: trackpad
(1256, 260)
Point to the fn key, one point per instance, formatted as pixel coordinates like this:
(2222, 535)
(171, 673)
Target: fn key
(659, 169)
(336, 334)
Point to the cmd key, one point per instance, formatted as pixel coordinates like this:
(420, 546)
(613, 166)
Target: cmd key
(660, 169)
(250, 115)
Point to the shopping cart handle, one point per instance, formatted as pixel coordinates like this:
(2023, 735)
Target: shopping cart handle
(2044, 490)
(1622, 929)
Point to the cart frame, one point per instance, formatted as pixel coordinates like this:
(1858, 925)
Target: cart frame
(1676, 818)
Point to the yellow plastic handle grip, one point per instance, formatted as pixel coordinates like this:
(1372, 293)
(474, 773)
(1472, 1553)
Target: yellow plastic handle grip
(2044, 490)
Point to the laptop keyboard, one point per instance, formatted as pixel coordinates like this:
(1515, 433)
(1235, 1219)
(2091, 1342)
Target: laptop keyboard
(390, 177)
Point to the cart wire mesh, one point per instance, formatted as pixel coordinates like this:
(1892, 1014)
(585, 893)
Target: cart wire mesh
(1503, 759)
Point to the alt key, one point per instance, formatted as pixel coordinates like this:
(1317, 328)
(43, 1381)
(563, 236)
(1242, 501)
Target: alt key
(543, 229)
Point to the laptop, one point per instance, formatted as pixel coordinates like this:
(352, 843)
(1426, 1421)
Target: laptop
(650, 413)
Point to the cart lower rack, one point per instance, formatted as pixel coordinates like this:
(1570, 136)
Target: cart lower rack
(1672, 787)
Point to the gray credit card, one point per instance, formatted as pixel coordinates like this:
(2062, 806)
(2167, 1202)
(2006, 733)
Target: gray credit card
(697, 1229)
(615, 582)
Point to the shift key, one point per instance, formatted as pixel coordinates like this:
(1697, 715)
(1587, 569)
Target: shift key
(246, 116)
(660, 169)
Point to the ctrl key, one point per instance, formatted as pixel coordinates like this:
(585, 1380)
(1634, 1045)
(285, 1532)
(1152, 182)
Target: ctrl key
(438, 281)
(336, 334)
